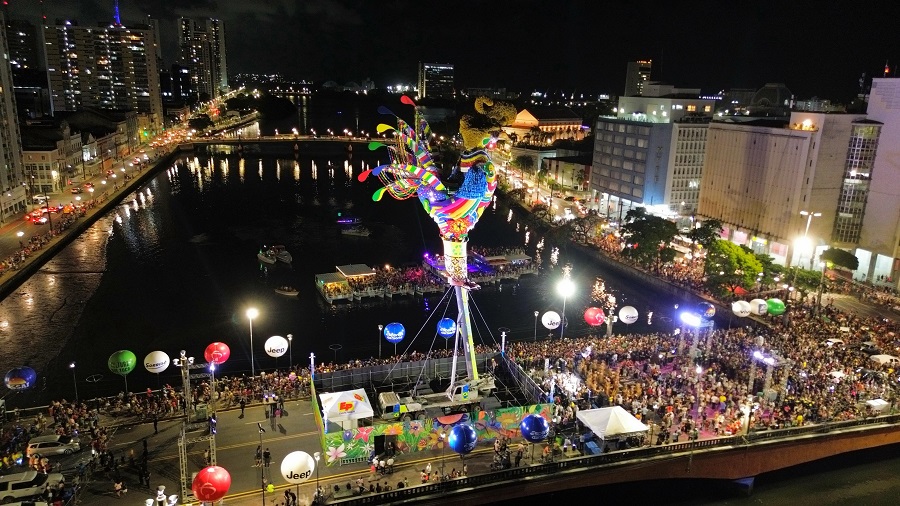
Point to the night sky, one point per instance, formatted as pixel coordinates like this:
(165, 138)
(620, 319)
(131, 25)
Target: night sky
(815, 48)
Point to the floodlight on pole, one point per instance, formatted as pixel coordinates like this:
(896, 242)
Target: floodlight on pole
(251, 314)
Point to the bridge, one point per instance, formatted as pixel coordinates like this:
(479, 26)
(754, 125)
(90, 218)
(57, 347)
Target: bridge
(283, 144)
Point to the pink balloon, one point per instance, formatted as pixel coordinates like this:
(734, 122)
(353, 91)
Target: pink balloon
(217, 353)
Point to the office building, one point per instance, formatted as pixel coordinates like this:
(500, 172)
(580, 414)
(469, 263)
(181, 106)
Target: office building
(201, 45)
(436, 81)
(104, 67)
(781, 187)
(651, 152)
(637, 74)
(12, 191)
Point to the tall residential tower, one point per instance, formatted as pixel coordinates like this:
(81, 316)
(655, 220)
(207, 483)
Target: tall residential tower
(201, 45)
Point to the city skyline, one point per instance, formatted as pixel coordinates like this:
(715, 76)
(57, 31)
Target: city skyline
(533, 45)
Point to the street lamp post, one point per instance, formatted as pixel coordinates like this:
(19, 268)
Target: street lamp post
(74, 381)
(290, 352)
(317, 455)
(443, 436)
(536, 313)
(251, 314)
(565, 288)
(262, 472)
(380, 329)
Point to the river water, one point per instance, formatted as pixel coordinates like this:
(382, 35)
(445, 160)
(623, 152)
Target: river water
(173, 267)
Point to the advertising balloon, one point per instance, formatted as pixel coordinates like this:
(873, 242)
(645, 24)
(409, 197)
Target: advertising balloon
(217, 353)
(594, 316)
(156, 362)
(628, 314)
(741, 308)
(394, 332)
(758, 307)
(462, 439)
(276, 346)
(20, 378)
(706, 310)
(775, 307)
(297, 467)
(211, 484)
(121, 362)
(551, 320)
(535, 428)
(446, 328)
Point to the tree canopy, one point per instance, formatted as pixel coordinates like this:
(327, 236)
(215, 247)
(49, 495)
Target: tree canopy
(707, 233)
(841, 258)
(729, 266)
(648, 237)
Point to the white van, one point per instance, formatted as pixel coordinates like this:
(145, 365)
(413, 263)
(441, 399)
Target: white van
(28, 484)
(39, 198)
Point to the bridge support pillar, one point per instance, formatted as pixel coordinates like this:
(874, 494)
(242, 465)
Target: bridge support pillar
(744, 486)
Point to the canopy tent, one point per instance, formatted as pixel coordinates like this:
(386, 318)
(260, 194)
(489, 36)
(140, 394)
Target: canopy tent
(611, 422)
(345, 408)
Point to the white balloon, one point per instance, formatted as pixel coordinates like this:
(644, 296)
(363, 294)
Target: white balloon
(156, 362)
(276, 346)
(551, 320)
(297, 467)
(741, 308)
(758, 307)
(628, 314)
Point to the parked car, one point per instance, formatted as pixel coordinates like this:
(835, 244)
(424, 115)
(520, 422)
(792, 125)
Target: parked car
(40, 198)
(27, 484)
(52, 445)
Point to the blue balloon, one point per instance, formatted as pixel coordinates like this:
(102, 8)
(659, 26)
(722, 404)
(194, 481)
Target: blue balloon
(20, 378)
(535, 428)
(446, 328)
(462, 439)
(706, 310)
(394, 332)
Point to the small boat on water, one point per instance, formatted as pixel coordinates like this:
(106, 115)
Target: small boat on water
(357, 231)
(266, 256)
(282, 254)
(287, 290)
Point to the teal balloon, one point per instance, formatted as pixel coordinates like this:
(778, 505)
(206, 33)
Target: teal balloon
(121, 362)
(775, 307)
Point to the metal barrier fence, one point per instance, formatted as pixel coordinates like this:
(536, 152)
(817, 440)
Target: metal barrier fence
(406, 372)
(499, 478)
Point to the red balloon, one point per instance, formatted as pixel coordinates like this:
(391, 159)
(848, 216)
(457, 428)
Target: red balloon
(594, 316)
(211, 484)
(217, 353)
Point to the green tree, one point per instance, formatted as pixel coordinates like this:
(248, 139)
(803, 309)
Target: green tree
(729, 266)
(707, 233)
(524, 163)
(541, 212)
(583, 228)
(841, 258)
(648, 237)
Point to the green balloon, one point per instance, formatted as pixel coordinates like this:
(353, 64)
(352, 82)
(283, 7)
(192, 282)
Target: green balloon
(775, 307)
(122, 362)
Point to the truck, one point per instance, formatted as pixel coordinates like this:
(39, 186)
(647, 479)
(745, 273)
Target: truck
(461, 397)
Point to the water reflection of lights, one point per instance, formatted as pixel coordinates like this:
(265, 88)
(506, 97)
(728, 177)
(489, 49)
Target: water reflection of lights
(517, 226)
(296, 170)
(540, 244)
(527, 237)
(278, 169)
(509, 216)
(260, 169)
(315, 171)
(554, 256)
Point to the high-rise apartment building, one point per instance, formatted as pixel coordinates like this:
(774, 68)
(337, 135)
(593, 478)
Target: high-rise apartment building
(201, 44)
(104, 67)
(12, 191)
(436, 80)
(22, 37)
(637, 73)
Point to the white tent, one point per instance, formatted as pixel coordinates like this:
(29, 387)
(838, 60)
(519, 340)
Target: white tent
(344, 407)
(612, 421)
(878, 405)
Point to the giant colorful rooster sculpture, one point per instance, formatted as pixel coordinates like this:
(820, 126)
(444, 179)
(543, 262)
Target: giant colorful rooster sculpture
(412, 172)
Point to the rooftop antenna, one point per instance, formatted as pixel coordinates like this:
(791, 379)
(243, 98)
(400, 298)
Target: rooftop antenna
(116, 13)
